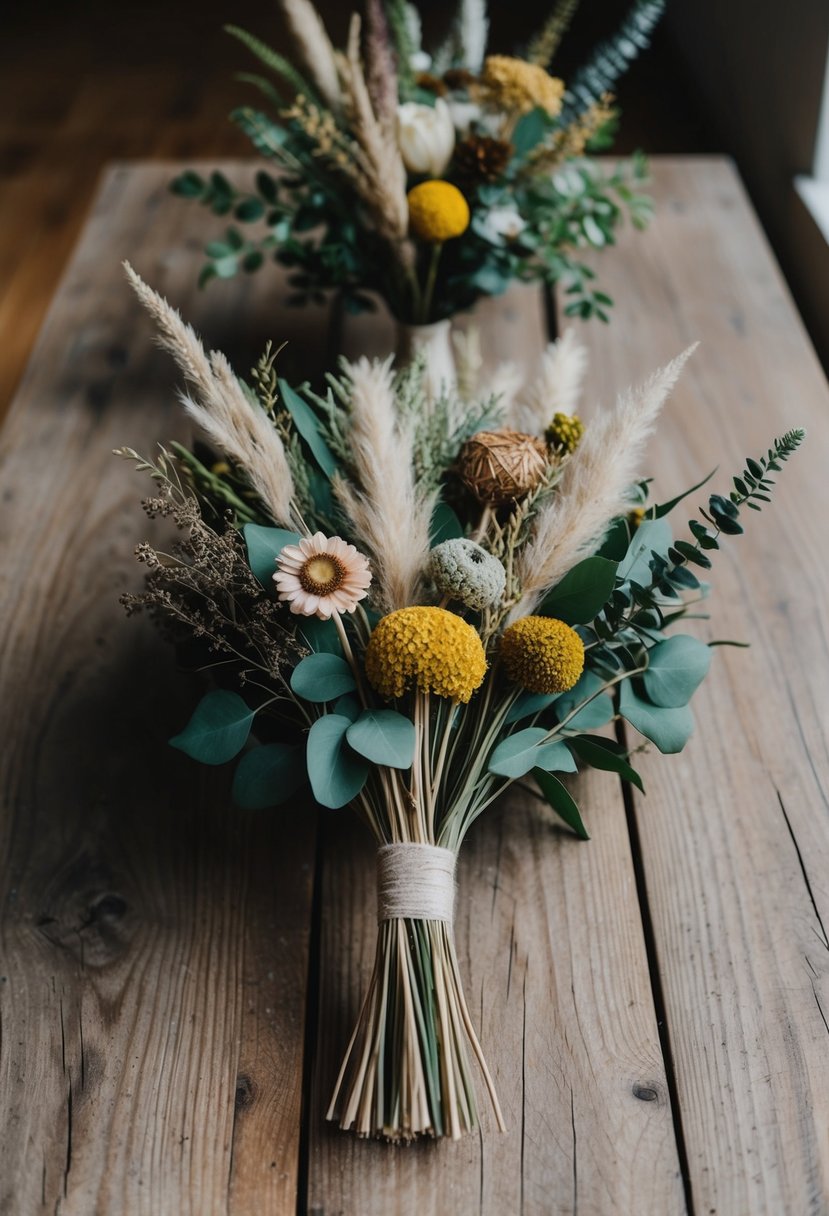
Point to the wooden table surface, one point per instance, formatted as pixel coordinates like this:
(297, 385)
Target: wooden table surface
(178, 979)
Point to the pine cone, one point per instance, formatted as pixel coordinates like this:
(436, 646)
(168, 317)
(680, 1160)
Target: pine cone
(480, 158)
(459, 78)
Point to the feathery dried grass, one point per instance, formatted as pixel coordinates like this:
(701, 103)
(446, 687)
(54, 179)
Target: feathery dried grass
(382, 183)
(390, 515)
(315, 49)
(594, 488)
(556, 387)
(240, 429)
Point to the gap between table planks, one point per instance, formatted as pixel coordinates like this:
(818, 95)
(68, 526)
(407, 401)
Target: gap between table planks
(579, 1063)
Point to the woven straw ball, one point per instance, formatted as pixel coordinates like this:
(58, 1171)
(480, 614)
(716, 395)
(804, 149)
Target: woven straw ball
(500, 467)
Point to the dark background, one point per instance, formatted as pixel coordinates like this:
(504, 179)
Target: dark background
(82, 84)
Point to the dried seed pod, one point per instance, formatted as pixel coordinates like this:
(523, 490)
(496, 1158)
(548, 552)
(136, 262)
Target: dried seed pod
(500, 467)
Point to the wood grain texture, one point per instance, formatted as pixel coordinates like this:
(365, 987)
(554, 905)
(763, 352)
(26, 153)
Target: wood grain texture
(553, 963)
(154, 949)
(550, 942)
(735, 831)
(154, 945)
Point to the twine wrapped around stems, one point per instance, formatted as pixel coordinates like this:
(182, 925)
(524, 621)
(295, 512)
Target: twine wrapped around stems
(415, 881)
(406, 1071)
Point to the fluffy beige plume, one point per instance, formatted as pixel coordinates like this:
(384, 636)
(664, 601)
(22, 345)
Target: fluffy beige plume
(594, 488)
(383, 173)
(315, 49)
(556, 387)
(240, 429)
(389, 515)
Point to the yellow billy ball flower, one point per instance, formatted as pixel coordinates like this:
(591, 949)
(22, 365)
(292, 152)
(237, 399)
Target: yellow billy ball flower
(564, 432)
(437, 211)
(542, 654)
(430, 648)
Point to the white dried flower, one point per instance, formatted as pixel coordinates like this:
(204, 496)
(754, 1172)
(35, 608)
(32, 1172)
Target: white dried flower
(426, 137)
(501, 224)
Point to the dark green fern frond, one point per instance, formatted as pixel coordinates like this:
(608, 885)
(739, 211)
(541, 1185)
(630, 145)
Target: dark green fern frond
(611, 59)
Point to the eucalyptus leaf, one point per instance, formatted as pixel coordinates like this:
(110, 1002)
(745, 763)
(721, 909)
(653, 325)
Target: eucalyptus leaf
(319, 635)
(676, 668)
(669, 729)
(597, 712)
(337, 774)
(651, 534)
(218, 729)
(561, 801)
(606, 755)
(582, 593)
(264, 546)
(348, 707)
(384, 737)
(526, 749)
(530, 131)
(268, 775)
(322, 677)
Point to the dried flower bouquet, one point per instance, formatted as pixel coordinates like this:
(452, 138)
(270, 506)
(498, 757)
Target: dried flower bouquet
(432, 180)
(408, 604)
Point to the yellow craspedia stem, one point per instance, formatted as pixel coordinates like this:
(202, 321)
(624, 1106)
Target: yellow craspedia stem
(438, 211)
(430, 649)
(542, 654)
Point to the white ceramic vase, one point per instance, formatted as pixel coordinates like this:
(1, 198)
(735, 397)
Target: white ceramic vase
(434, 344)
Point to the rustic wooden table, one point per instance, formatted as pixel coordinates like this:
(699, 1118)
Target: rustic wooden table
(177, 980)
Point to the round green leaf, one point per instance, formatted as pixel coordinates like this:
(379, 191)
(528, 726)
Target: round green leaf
(337, 774)
(322, 677)
(319, 635)
(592, 713)
(218, 730)
(669, 729)
(264, 546)
(651, 534)
(384, 737)
(676, 668)
(268, 775)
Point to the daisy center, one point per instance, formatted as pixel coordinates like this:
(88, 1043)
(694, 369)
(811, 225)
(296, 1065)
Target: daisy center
(322, 574)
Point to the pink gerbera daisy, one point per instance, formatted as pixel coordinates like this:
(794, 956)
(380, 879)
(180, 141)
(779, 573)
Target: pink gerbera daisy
(322, 575)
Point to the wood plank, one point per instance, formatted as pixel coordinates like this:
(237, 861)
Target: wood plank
(154, 941)
(551, 950)
(735, 832)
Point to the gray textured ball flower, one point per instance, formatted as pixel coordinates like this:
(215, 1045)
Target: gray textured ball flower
(466, 572)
